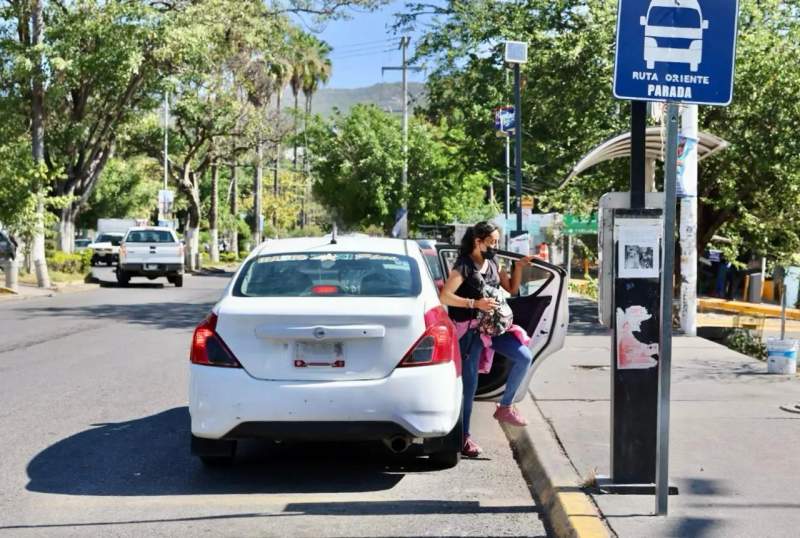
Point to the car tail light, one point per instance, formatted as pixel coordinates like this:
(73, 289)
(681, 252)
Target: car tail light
(438, 344)
(325, 290)
(208, 348)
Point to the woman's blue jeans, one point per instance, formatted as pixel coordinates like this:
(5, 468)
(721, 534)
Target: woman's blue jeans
(505, 344)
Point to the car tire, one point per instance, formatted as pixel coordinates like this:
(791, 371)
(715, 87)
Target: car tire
(445, 460)
(123, 278)
(445, 452)
(178, 281)
(214, 452)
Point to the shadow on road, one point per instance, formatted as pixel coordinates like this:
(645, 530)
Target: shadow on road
(150, 456)
(159, 315)
(583, 318)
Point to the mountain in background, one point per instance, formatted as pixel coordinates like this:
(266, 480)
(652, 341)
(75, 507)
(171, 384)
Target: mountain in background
(387, 96)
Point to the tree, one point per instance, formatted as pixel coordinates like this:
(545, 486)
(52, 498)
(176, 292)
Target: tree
(127, 187)
(568, 107)
(356, 161)
(318, 72)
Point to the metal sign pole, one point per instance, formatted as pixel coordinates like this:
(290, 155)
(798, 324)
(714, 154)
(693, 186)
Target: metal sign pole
(665, 357)
(518, 143)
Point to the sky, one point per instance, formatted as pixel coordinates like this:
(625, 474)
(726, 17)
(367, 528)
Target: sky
(365, 43)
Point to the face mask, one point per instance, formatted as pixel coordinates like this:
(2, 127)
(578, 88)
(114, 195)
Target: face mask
(489, 253)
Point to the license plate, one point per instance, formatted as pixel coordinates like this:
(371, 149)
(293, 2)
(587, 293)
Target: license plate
(151, 267)
(323, 354)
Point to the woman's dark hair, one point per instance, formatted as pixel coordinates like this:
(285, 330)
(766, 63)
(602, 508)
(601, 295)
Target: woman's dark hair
(481, 230)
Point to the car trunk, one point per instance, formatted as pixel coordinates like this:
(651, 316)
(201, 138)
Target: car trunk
(320, 338)
(152, 253)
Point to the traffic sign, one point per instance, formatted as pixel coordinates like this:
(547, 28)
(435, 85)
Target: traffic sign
(676, 50)
(504, 119)
(577, 225)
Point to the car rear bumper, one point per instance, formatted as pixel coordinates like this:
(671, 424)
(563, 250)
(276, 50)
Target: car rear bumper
(229, 403)
(161, 269)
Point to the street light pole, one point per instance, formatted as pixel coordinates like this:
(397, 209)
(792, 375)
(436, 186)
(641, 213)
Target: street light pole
(518, 143)
(404, 67)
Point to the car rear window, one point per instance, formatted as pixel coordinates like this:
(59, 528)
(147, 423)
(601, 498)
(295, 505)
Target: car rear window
(150, 236)
(336, 274)
(106, 238)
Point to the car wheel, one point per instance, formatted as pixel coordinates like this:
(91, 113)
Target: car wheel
(445, 460)
(445, 452)
(214, 452)
(178, 281)
(123, 278)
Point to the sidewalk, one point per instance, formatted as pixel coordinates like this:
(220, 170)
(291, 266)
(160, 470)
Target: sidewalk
(29, 291)
(735, 455)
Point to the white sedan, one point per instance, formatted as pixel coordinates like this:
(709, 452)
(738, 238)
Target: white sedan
(336, 339)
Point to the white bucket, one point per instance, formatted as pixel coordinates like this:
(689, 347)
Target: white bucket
(781, 356)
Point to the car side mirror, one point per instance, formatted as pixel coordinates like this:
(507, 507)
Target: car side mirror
(705, 25)
(643, 20)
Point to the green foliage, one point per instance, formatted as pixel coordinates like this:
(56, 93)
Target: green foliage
(357, 164)
(749, 192)
(128, 188)
(586, 287)
(70, 263)
(743, 341)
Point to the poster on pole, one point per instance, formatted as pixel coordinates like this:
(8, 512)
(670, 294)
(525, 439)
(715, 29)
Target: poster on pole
(687, 183)
(639, 252)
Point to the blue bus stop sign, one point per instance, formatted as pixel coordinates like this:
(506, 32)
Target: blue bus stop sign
(676, 50)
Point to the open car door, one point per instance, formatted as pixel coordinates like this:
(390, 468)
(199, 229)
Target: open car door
(541, 308)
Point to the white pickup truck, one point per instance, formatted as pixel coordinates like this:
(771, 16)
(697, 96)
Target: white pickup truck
(150, 252)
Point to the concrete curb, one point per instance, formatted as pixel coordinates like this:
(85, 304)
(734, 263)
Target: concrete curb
(555, 483)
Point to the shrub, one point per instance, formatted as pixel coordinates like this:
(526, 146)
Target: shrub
(587, 287)
(70, 263)
(743, 341)
(228, 257)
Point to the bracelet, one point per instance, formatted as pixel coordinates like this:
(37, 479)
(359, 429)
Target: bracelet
(471, 303)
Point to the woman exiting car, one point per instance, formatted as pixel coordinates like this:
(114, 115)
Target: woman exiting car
(484, 322)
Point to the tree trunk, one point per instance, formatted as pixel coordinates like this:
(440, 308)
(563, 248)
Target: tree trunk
(235, 209)
(37, 141)
(275, 185)
(66, 228)
(258, 210)
(213, 217)
(296, 113)
(190, 187)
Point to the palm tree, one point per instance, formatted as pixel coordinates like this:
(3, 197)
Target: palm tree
(281, 73)
(317, 72)
(303, 48)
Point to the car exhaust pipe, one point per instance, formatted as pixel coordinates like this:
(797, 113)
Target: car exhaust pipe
(398, 444)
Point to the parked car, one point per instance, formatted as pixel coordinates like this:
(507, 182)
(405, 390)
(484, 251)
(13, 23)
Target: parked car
(151, 252)
(321, 339)
(105, 248)
(343, 339)
(428, 248)
(82, 243)
(8, 246)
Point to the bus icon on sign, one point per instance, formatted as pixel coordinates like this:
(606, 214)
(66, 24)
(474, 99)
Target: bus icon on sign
(673, 32)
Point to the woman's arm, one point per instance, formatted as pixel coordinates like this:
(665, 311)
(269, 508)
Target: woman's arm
(511, 284)
(448, 295)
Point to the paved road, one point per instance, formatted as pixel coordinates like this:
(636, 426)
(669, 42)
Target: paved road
(95, 441)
